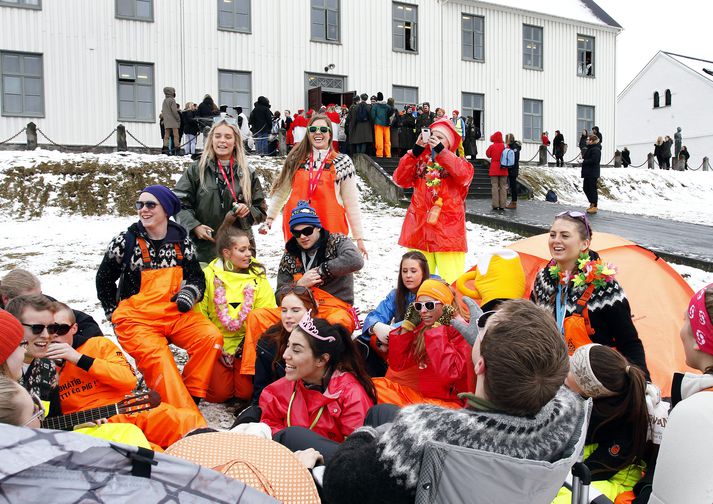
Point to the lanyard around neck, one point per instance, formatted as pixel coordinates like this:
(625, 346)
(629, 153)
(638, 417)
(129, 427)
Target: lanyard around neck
(561, 306)
(314, 179)
(230, 183)
(308, 265)
(289, 411)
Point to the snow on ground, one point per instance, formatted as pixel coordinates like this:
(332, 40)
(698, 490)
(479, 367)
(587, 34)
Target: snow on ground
(682, 196)
(64, 251)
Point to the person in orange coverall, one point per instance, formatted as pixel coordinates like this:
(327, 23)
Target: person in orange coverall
(160, 280)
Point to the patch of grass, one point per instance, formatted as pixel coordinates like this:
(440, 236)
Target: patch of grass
(60, 267)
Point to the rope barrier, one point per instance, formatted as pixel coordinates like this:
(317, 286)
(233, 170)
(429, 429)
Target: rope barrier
(696, 169)
(137, 140)
(68, 147)
(14, 136)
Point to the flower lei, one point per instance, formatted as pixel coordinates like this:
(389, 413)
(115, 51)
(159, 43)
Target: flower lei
(596, 272)
(221, 305)
(434, 174)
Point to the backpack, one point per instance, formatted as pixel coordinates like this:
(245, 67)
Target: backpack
(362, 113)
(551, 196)
(507, 158)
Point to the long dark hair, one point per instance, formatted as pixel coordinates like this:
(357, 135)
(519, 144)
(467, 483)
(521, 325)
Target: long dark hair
(276, 332)
(401, 290)
(224, 239)
(343, 355)
(629, 405)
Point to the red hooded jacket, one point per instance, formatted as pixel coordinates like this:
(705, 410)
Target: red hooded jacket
(345, 405)
(494, 152)
(448, 234)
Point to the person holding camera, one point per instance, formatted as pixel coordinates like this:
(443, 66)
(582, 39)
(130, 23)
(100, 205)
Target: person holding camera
(435, 219)
(219, 182)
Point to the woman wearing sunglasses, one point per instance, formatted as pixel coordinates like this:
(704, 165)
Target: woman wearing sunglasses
(429, 360)
(315, 173)
(579, 288)
(221, 182)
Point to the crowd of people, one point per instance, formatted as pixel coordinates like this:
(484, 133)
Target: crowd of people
(357, 402)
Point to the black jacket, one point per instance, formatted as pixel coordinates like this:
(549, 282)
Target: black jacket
(666, 149)
(265, 372)
(558, 144)
(424, 121)
(583, 142)
(591, 159)
(261, 118)
(205, 109)
(189, 123)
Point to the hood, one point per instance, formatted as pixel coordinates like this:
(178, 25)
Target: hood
(685, 385)
(496, 137)
(174, 234)
(169, 92)
(261, 100)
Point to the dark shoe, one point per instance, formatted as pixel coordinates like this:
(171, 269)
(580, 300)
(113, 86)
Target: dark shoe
(164, 150)
(197, 400)
(512, 205)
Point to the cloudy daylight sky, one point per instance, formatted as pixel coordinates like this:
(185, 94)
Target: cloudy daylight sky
(678, 26)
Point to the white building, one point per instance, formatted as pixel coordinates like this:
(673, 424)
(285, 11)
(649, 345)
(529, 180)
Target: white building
(77, 68)
(670, 91)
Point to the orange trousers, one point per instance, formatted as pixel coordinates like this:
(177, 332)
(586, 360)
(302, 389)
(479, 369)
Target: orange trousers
(382, 140)
(390, 392)
(229, 382)
(164, 424)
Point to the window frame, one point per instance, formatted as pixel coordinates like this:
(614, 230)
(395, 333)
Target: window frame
(667, 99)
(325, 10)
(463, 108)
(541, 43)
(393, 28)
(23, 75)
(580, 62)
(474, 33)
(152, 94)
(537, 138)
(134, 17)
(579, 118)
(657, 100)
(400, 105)
(246, 108)
(249, 29)
(20, 4)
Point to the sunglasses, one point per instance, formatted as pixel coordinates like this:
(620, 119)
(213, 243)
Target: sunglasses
(230, 120)
(483, 319)
(294, 289)
(60, 329)
(322, 129)
(38, 410)
(303, 232)
(580, 216)
(148, 204)
(429, 305)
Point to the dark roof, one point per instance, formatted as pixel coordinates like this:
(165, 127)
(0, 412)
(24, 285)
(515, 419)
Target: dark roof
(601, 13)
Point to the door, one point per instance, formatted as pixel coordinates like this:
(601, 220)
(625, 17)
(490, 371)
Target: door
(348, 98)
(314, 98)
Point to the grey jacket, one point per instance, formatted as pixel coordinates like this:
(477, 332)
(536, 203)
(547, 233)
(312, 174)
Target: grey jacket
(169, 109)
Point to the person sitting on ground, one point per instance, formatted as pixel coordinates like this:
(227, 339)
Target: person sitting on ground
(319, 260)
(325, 393)
(616, 436)
(588, 307)
(428, 358)
(236, 283)
(160, 281)
(683, 466)
(413, 270)
(520, 408)
(12, 346)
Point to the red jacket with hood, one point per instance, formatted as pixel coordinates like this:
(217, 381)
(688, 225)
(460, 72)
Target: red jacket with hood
(494, 152)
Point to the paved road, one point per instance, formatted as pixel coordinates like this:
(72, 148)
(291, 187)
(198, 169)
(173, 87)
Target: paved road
(676, 241)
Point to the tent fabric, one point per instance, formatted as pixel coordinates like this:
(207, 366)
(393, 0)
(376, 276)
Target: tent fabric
(658, 296)
(72, 467)
(455, 474)
(261, 463)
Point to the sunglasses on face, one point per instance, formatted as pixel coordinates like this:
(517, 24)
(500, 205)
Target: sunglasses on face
(148, 204)
(303, 232)
(429, 305)
(580, 216)
(321, 129)
(37, 329)
(38, 410)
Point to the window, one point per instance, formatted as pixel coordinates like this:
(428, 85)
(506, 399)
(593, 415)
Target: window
(404, 95)
(135, 84)
(667, 98)
(472, 106)
(472, 34)
(138, 10)
(531, 120)
(656, 99)
(22, 85)
(405, 18)
(234, 89)
(26, 4)
(585, 118)
(532, 47)
(585, 56)
(234, 15)
(325, 20)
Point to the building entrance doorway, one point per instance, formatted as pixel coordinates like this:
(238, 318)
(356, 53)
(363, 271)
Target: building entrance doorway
(323, 89)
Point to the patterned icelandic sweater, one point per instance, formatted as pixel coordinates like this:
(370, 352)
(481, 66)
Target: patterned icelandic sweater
(609, 313)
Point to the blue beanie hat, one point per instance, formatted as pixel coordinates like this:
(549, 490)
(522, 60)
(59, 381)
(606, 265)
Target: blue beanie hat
(304, 214)
(169, 201)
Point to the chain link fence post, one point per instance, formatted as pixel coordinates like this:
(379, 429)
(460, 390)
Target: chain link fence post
(31, 136)
(543, 156)
(121, 138)
(617, 158)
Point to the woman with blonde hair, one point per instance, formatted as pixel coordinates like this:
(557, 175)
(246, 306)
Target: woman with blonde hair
(219, 182)
(314, 172)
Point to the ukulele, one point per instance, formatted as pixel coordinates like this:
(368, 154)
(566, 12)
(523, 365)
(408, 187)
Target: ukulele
(132, 404)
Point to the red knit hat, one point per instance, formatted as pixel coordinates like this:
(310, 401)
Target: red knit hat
(11, 333)
(446, 127)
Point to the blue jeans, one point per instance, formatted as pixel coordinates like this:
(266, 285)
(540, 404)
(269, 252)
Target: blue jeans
(261, 144)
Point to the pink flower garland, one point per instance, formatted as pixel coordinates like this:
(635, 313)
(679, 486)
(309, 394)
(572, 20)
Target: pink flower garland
(221, 305)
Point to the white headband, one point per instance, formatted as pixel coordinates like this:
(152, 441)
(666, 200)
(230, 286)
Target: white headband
(584, 376)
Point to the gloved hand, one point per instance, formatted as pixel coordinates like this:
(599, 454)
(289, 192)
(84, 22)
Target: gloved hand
(469, 331)
(411, 319)
(186, 298)
(381, 331)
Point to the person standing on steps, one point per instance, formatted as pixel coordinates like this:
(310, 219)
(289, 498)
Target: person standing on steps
(514, 170)
(498, 174)
(558, 148)
(591, 160)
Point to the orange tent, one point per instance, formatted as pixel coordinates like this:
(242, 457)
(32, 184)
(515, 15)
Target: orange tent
(658, 296)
